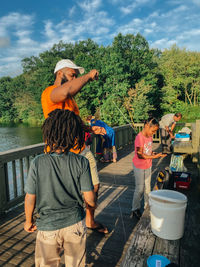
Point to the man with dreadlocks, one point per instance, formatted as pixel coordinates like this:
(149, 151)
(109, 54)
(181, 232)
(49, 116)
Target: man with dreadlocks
(60, 96)
(55, 184)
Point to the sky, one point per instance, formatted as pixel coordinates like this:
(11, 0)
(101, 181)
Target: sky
(28, 28)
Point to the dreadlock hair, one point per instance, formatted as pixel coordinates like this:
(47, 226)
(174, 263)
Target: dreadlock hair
(63, 130)
(152, 122)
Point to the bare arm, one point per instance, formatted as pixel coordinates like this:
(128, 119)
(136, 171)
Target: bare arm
(167, 129)
(141, 154)
(173, 126)
(71, 88)
(29, 209)
(170, 131)
(90, 198)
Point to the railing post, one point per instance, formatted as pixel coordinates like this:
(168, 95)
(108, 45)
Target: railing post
(198, 146)
(198, 131)
(95, 146)
(117, 139)
(3, 188)
(198, 164)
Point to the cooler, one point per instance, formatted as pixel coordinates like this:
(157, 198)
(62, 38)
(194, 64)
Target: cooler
(181, 180)
(182, 137)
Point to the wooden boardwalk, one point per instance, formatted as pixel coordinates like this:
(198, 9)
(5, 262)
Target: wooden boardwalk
(115, 197)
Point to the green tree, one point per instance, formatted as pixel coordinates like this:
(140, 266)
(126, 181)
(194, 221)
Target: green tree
(137, 103)
(133, 78)
(6, 109)
(181, 72)
(27, 109)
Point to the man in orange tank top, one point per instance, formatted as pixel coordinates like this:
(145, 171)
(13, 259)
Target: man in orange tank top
(60, 96)
(66, 86)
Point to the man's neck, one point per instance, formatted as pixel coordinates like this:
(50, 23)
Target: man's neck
(57, 82)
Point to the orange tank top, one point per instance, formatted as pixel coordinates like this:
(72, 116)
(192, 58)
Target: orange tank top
(48, 105)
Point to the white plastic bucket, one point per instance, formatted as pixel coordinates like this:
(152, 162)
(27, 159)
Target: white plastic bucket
(167, 212)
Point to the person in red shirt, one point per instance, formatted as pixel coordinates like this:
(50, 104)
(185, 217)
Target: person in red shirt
(60, 95)
(142, 162)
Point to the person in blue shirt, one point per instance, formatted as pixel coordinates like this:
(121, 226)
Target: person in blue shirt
(108, 135)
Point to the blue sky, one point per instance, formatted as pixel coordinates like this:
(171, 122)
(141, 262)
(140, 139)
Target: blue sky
(30, 27)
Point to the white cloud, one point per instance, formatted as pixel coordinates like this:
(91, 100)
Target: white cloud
(148, 31)
(72, 11)
(164, 28)
(135, 4)
(175, 12)
(154, 15)
(172, 26)
(175, 2)
(92, 19)
(179, 2)
(126, 10)
(90, 5)
(93, 24)
(135, 26)
(187, 35)
(114, 2)
(10, 59)
(48, 30)
(196, 2)
(194, 32)
(11, 68)
(162, 43)
(15, 20)
(17, 43)
(153, 24)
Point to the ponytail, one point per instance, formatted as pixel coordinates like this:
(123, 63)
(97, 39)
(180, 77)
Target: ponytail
(152, 122)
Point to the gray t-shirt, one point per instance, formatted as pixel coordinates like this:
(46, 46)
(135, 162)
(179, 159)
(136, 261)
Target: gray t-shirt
(167, 120)
(57, 180)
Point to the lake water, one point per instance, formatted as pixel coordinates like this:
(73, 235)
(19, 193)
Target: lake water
(18, 136)
(13, 137)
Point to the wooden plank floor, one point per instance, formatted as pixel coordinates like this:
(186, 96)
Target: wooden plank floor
(185, 251)
(115, 198)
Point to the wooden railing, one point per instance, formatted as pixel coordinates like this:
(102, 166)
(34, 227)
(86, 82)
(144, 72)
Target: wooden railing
(14, 164)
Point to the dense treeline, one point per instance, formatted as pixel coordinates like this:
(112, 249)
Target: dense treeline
(134, 81)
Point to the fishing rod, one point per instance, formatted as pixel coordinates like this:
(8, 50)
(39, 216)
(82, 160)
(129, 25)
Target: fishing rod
(124, 116)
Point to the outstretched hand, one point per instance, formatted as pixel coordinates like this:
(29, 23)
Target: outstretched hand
(158, 155)
(161, 155)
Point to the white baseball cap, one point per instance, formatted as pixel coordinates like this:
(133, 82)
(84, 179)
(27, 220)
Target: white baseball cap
(66, 63)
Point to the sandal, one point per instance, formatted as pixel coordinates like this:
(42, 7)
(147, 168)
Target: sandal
(99, 229)
(104, 160)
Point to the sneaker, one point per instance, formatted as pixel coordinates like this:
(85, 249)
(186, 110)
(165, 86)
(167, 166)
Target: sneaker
(136, 213)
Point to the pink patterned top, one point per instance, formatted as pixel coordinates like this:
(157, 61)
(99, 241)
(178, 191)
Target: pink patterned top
(146, 143)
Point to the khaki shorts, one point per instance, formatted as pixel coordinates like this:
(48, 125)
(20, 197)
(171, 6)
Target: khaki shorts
(93, 165)
(49, 244)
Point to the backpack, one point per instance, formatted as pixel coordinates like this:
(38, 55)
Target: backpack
(162, 179)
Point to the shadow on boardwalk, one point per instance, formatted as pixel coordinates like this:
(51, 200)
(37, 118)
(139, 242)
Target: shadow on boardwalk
(115, 198)
(116, 195)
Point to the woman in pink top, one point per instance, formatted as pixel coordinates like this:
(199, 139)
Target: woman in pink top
(142, 162)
